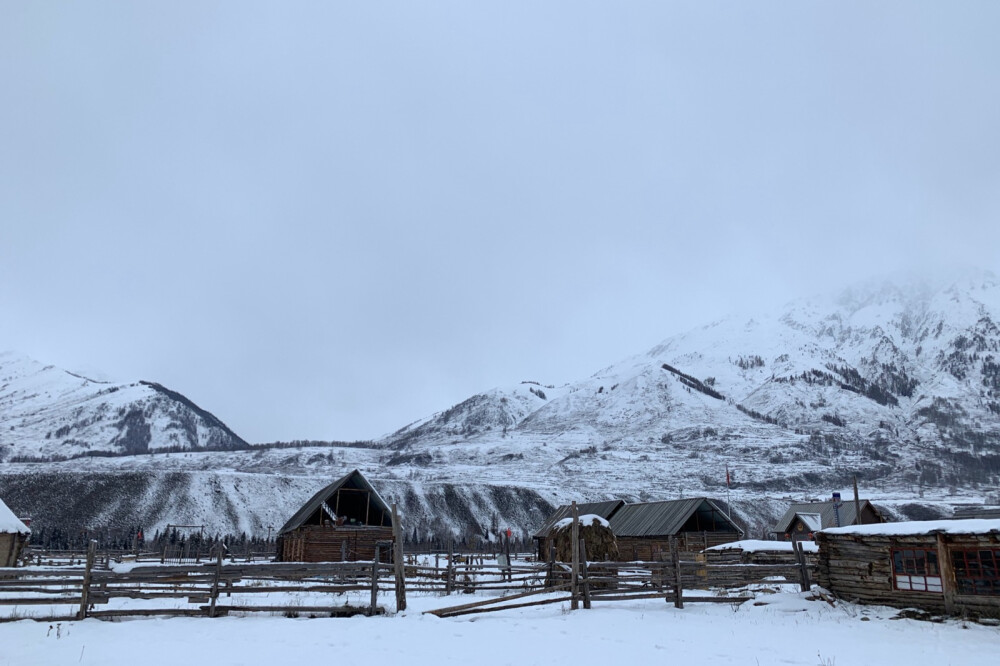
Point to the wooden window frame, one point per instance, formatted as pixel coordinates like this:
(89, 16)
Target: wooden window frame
(976, 575)
(916, 570)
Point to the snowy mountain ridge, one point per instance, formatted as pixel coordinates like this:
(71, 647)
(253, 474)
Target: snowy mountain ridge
(895, 382)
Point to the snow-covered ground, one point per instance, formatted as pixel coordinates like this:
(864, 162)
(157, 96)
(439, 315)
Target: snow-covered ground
(780, 628)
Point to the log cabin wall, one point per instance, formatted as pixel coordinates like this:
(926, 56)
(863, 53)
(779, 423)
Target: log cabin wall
(325, 543)
(8, 549)
(860, 568)
(654, 549)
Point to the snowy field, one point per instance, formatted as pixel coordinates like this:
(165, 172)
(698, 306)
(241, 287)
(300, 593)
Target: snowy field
(779, 628)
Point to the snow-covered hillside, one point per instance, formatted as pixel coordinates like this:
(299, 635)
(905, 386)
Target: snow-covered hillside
(48, 413)
(895, 382)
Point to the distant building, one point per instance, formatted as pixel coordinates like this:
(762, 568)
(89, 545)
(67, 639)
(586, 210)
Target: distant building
(343, 521)
(13, 535)
(804, 519)
(644, 530)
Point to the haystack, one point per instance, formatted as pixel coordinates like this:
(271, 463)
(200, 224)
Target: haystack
(599, 540)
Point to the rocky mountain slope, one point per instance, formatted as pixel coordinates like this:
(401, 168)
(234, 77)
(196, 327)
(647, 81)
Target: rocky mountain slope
(895, 382)
(47, 414)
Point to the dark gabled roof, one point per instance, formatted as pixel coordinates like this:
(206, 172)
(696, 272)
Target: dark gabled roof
(826, 512)
(666, 518)
(313, 504)
(603, 509)
(981, 512)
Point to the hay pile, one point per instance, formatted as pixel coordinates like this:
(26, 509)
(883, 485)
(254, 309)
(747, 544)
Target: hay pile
(600, 540)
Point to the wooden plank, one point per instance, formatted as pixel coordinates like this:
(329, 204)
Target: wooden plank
(486, 602)
(508, 607)
(333, 611)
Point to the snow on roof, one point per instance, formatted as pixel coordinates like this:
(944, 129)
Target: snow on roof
(9, 522)
(588, 519)
(967, 526)
(813, 521)
(758, 546)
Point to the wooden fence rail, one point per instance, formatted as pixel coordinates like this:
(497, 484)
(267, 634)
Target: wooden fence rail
(206, 588)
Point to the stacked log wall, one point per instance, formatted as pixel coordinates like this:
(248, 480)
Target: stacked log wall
(10, 548)
(323, 543)
(654, 549)
(859, 568)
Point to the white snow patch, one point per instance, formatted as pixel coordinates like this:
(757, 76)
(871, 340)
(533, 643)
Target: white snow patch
(586, 519)
(759, 546)
(967, 526)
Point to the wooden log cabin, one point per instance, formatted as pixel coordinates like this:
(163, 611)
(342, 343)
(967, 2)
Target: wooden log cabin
(13, 536)
(645, 530)
(802, 520)
(342, 522)
(940, 566)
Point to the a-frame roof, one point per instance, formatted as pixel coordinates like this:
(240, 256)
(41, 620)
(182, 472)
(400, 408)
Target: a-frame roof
(354, 479)
(827, 513)
(603, 509)
(667, 518)
(11, 523)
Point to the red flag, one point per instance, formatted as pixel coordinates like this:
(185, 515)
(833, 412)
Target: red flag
(727, 475)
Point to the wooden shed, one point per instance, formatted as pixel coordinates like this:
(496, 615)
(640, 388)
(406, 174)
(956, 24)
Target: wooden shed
(802, 520)
(13, 535)
(644, 530)
(940, 566)
(343, 521)
(543, 536)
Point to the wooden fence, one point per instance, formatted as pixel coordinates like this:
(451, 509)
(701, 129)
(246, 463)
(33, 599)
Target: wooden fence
(208, 589)
(203, 588)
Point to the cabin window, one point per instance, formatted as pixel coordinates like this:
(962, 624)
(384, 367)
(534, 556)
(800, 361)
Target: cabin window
(916, 570)
(976, 570)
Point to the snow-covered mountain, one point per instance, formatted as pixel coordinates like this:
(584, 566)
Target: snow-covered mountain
(48, 413)
(896, 382)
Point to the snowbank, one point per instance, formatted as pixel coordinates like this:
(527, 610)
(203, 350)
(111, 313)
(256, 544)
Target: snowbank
(759, 546)
(641, 632)
(968, 526)
(586, 519)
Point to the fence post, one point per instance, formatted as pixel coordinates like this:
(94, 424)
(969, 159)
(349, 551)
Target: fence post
(510, 574)
(374, 603)
(215, 581)
(397, 537)
(552, 566)
(575, 550)
(586, 575)
(85, 588)
(450, 571)
(800, 555)
(675, 556)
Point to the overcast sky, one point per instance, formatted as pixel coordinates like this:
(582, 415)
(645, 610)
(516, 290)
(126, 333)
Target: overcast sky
(328, 219)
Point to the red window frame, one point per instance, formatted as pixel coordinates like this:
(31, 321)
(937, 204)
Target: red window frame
(977, 570)
(916, 570)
